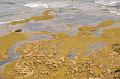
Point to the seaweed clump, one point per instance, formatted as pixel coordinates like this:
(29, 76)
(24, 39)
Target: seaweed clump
(117, 73)
(116, 47)
(18, 30)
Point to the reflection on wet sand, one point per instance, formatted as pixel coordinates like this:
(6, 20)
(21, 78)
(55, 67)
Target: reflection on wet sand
(7, 40)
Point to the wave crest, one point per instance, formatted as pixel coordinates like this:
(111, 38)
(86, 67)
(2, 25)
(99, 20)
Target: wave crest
(108, 3)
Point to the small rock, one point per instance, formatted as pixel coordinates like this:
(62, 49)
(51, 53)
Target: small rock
(18, 30)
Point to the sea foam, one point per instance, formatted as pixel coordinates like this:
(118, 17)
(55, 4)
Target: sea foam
(35, 5)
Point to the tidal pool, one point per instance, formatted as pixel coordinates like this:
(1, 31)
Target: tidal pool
(12, 54)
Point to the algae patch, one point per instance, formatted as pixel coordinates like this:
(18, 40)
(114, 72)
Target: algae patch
(63, 57)
(116, 47)
(45, 16)
(105, 23)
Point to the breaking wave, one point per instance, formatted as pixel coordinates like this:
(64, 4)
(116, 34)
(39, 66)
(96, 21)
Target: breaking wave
(112, 5)
(34, 5)
(54, 4)
(3, 23)
(108, 3)
(115, 12)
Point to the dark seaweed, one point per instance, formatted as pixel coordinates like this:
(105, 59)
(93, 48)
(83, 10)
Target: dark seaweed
(18, 30)
(116, 47)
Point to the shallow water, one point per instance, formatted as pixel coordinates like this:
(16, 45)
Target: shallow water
(71, 55)
(74, 12)
(12, 54)
(94, 47)
(19, 9)
(67, 12)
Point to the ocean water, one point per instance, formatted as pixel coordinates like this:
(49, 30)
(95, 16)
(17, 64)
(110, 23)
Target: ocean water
(84, 11)
(74, 12)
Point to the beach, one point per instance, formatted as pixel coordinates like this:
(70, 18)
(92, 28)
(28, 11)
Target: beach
(64, 39)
